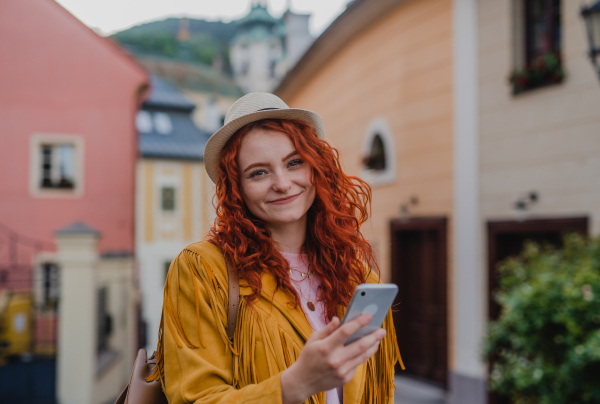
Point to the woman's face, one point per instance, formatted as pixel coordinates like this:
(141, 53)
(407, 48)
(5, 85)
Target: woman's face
(276, 183)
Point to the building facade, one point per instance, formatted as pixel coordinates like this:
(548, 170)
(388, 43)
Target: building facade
(68, 100)
(475, 122)
(173, 207)
(381, 77)
(538, 144)
(264, 48)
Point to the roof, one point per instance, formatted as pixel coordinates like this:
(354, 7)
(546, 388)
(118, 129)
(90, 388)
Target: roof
(257, 15)
(77, 228)
(163, 95)
(165, 125)
(358, 16)
(191, 76)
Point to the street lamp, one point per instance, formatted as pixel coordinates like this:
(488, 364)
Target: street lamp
(591, 16)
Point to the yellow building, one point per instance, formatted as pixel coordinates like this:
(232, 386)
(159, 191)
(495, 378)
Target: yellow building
(173, 206)
(469, 153)
(381, 77)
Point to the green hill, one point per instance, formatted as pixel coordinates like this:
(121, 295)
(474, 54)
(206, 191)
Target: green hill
(207, 40)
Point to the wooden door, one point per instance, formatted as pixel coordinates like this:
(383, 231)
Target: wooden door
(419, 268)
(506, 238)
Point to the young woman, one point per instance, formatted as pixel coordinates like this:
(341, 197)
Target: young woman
(289, 219)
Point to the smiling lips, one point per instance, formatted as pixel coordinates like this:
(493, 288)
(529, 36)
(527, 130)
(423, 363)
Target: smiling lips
(283, 201)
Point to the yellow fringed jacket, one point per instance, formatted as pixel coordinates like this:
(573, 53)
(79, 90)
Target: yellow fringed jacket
(198, 364)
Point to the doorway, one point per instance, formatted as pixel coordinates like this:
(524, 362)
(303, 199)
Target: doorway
(419, 268)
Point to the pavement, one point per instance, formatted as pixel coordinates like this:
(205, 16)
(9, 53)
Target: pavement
(410, 391)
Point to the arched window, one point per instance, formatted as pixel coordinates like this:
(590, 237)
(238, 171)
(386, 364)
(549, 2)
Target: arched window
(378, 153)
(376, 158)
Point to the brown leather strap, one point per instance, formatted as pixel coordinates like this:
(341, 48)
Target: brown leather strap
(234, 299)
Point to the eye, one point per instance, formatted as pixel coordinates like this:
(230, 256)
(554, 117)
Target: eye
(295, 162)
(257, 173)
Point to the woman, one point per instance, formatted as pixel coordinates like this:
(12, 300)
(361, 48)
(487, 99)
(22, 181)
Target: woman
(289, 218)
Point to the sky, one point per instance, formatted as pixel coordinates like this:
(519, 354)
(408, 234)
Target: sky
(109, 16)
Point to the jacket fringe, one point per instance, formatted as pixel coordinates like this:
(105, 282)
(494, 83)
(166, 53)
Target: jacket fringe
(379, 384)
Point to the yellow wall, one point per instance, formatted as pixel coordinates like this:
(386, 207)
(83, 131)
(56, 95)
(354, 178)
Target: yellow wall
(190, 220)
(400, 69)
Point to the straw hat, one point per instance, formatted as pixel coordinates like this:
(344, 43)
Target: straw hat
(250, 108)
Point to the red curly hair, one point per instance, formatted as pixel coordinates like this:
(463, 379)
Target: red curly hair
(336, 249)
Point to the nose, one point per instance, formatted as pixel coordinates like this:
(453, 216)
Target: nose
(281, 182)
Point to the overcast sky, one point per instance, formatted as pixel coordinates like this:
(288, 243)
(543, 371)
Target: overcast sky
(109, 16)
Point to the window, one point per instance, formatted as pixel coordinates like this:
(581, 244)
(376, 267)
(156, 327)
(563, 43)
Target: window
(104, 320)
(542, 28)
(58, 166)
(538, 44)
(244, 68)
(376, 158)
(56, 163)
(378, 155)
(143, 121)
(167, 199)
(50, 289)
(162, 123)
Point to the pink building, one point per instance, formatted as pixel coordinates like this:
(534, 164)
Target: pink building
(68, 100)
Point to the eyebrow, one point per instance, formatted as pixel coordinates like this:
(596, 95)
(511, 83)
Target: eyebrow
(266, 164)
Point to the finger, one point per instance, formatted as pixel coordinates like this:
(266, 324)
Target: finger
(327, 330)
(363, 344)
(364, 356)
(360, 351)
(339, 336)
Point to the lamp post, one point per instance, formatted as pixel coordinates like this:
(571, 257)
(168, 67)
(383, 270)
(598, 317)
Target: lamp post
(591, 16)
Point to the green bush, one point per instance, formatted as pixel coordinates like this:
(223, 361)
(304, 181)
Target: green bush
(545, 346)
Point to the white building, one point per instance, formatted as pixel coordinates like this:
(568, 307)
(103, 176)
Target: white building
(265, 48)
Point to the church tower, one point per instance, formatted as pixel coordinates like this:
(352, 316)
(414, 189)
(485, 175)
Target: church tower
(264, 48)
(256, 50)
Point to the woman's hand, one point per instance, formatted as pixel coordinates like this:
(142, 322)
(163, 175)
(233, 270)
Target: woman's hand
(325, 363)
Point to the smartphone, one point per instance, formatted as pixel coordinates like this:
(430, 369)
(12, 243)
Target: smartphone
(373, 298)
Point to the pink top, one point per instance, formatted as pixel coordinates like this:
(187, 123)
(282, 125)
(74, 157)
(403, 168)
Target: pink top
(308, 288)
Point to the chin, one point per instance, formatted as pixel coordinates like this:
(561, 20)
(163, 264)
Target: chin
(282, 220)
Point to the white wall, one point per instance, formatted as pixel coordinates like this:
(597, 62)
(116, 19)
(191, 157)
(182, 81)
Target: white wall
(545, 140)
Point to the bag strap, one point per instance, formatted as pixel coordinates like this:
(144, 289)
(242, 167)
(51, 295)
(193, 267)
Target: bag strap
(234, 299)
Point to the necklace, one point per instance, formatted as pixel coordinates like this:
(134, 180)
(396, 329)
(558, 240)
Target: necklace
(302, 274)
(309, 303)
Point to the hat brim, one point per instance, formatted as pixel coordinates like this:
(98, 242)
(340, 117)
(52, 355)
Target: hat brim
(216, 143)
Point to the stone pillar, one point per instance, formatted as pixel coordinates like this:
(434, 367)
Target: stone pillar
(77, 324)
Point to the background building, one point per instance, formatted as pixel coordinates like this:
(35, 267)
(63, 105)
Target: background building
(381, 78)
(68, 149)
(173, 207)
(476, 123)
(539, 149)
(264, 48)
(210, 90)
